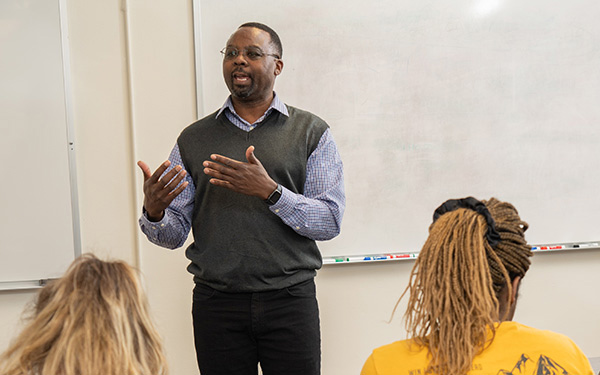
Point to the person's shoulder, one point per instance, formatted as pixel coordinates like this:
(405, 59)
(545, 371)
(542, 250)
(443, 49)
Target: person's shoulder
(547, 338)
(546, 347)
(527, 331)
(199, 124)
(398, 349)
(396, 358)
(298, 113)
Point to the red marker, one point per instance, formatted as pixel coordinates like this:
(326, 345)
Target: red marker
(554, 247)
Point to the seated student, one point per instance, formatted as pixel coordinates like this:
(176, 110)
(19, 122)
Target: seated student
(463, 292)
(93, 320)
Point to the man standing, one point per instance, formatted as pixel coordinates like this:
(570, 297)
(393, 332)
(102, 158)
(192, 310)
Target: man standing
(257, 182)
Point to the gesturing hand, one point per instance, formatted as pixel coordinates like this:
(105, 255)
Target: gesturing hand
(249, 178)
(160, 192)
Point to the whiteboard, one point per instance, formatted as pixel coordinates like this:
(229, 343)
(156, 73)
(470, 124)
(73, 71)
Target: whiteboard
(431, 100)
(39, 234)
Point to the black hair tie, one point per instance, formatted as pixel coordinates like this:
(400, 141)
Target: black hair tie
(492, 236)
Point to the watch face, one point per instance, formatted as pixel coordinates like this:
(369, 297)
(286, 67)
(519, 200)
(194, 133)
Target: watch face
(275, 195)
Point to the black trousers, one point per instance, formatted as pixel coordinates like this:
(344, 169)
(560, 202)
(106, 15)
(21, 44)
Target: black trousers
(233, 332)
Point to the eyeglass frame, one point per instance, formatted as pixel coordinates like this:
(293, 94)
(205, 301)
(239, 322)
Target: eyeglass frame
(244, 52)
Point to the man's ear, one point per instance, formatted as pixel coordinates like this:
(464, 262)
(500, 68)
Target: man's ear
(514, 290)
(278, 67)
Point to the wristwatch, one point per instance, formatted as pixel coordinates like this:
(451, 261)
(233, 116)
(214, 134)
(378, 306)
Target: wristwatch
(274, 197)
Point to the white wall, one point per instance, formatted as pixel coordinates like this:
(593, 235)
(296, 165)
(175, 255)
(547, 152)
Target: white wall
(133, 89)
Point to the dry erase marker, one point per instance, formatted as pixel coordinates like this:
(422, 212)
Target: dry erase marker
(552, 247)
(377, 257)
(400, 256)
(393, 256)
(593, 244)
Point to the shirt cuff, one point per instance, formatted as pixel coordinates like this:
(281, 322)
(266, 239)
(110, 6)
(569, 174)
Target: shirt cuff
(285, 205)
(154, 225)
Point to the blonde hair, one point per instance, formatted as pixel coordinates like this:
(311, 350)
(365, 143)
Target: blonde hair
(93, 320)
(456, 282)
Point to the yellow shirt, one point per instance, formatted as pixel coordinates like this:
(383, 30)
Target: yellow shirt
(516, 349)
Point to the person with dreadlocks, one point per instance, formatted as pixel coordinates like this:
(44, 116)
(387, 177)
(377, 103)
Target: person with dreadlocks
(462, 298)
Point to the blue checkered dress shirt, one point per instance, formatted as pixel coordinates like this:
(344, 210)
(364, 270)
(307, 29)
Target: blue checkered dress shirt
(316, 214)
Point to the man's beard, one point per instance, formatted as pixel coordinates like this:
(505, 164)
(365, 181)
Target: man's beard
(242, 92)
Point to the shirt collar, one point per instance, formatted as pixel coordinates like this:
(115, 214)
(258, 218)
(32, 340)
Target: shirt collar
(276, 104)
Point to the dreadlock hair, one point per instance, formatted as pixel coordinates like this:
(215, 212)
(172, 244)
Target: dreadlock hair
(456, 284)
(93, 320)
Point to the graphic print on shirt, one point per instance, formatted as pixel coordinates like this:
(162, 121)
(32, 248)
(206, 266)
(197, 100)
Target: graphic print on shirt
(544, 366)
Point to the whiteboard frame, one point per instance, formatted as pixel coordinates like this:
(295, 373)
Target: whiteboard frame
(198, 57)
(64, 36)
(411, 256)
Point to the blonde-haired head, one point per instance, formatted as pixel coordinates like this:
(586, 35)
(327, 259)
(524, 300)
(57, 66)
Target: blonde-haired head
(93, 320)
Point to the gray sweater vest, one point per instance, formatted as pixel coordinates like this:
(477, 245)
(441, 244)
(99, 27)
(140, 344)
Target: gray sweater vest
(239, 244)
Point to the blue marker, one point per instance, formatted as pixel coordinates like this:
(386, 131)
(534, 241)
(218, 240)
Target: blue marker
(376, 258)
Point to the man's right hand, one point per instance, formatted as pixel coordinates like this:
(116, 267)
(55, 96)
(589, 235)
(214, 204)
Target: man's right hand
(160, 192)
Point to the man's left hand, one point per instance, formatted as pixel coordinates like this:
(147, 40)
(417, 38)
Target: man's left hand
(249, 178)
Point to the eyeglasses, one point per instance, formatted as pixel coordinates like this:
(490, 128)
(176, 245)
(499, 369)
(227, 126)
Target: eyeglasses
(252, 53)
